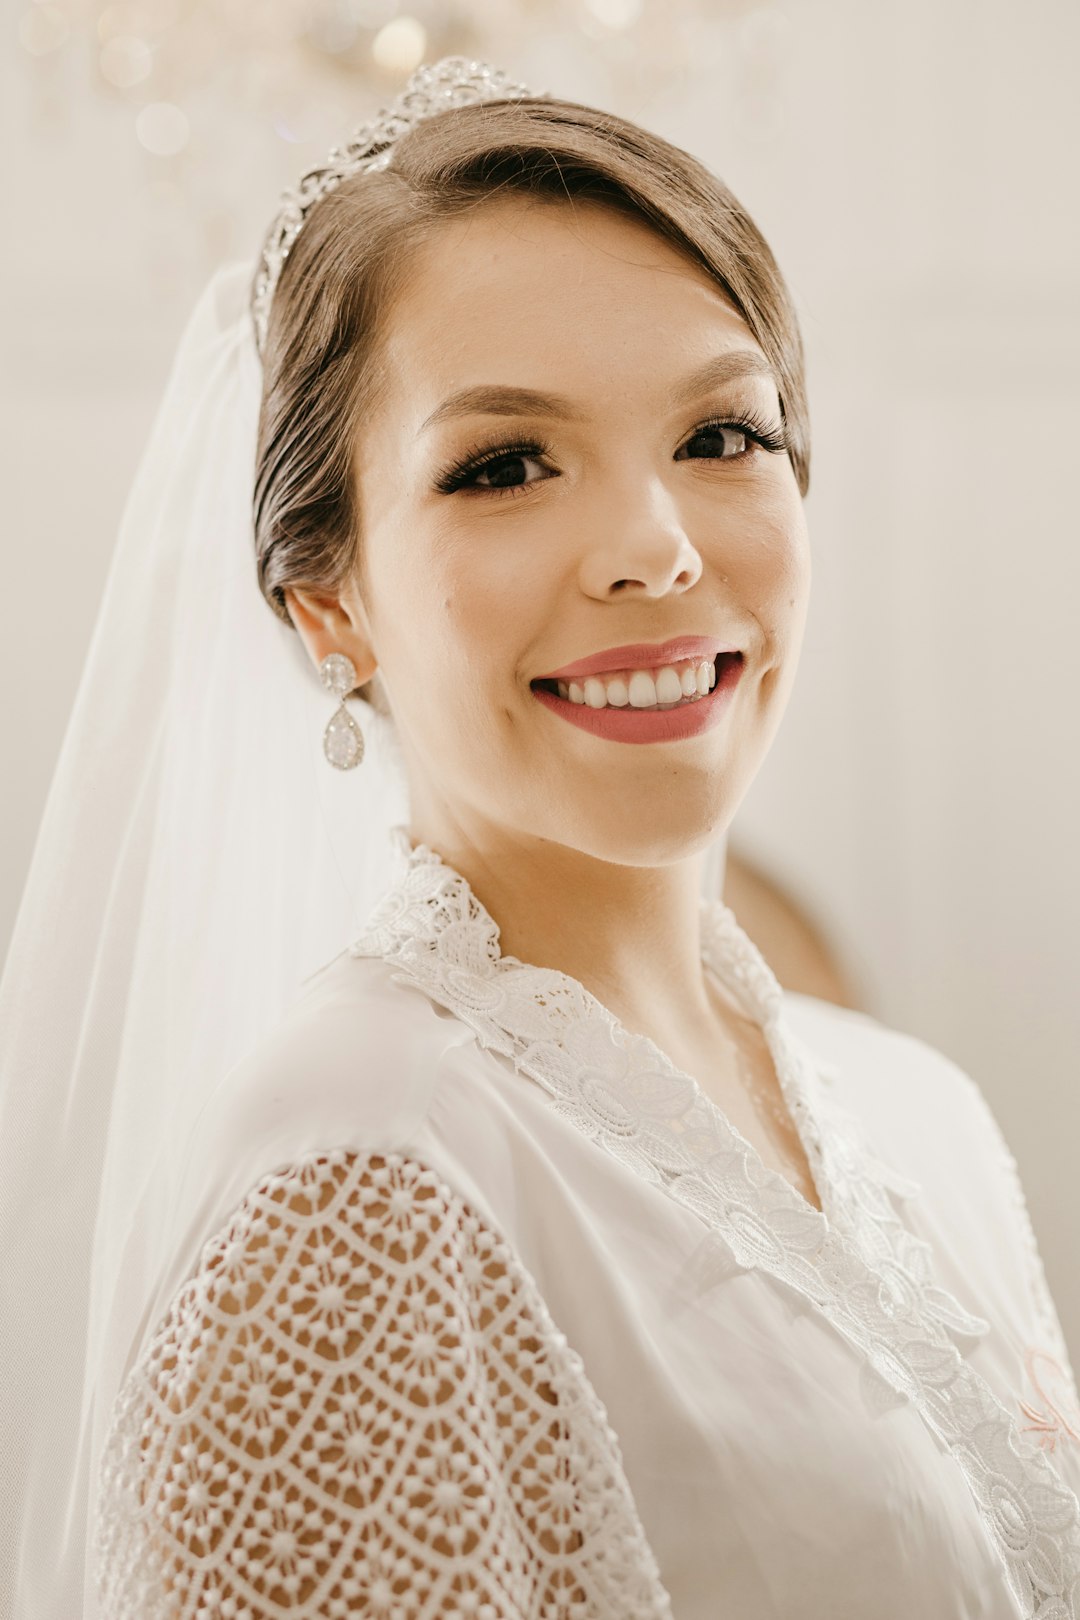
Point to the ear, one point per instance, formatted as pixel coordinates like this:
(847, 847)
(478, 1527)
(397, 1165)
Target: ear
(328, 624)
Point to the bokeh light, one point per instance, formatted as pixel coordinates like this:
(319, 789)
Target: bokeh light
(42, 29)
(399, 46)
(615, 14)
(125, 17)
(125, 61)
(162, 128)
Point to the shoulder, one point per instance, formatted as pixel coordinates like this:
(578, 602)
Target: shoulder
(921, 1113)
(849, 1033)
(354, 1063)
(355, 1059)
(877, 1070)
(920, 1109)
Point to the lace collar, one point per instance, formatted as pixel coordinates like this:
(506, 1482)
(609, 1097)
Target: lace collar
(856, 1259)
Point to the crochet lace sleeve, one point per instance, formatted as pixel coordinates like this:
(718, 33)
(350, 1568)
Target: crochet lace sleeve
(358, 1405)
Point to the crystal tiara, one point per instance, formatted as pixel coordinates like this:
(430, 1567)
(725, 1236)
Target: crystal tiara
(455, 81)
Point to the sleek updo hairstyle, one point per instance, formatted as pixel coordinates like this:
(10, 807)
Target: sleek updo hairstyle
(321, 358)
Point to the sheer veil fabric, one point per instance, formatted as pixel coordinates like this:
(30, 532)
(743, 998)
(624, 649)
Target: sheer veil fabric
(197, 860)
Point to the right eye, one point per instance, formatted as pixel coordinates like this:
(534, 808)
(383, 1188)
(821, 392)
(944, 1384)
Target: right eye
(502, 468)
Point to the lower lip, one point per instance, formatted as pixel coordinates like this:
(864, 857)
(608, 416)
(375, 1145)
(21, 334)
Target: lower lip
(651, 725)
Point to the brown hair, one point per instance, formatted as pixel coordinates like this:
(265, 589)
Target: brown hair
(321, 366)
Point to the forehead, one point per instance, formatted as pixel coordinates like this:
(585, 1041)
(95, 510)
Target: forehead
(546, 294)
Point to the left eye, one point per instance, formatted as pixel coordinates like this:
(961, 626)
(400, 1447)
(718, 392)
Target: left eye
(714, 438)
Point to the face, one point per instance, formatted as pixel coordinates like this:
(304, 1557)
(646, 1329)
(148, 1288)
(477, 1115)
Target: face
(616, 492)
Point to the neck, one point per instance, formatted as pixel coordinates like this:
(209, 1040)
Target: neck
(631, 935)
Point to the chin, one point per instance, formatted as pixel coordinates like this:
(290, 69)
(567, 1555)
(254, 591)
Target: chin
(630, 837)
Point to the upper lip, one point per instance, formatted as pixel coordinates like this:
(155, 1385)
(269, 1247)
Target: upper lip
(642, 655)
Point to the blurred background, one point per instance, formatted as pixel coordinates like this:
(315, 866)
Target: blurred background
(911, 844)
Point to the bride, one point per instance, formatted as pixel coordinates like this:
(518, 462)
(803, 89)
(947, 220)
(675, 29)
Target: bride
(424, 1199)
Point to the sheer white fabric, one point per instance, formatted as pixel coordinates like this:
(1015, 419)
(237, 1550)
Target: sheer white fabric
(196, 859)
(785, 1412)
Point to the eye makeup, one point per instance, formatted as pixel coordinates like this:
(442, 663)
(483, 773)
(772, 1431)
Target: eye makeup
(765, 435)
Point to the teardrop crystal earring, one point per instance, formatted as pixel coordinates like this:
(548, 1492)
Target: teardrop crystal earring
(343, 741)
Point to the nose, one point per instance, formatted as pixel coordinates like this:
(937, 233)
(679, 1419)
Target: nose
(641, 546)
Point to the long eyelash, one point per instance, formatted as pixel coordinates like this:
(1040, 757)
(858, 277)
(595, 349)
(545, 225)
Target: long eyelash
(453, 477)
(774, 440)
(481, 456)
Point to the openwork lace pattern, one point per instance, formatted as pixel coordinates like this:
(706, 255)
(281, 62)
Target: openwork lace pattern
(359, 1405)
(856, 1260)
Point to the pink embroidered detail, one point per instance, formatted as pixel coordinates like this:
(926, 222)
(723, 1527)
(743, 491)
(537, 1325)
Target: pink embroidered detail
(1061, 1415)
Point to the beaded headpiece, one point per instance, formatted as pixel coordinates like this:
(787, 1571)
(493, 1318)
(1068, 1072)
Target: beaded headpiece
(455, 81)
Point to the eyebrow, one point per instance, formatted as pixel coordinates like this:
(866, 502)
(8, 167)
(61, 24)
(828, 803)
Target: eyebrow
(490, 399)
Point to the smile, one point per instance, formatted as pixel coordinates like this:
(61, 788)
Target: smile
(660, 705)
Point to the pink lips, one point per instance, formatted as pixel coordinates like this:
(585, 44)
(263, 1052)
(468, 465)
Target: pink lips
(682, 720)
(643, 655)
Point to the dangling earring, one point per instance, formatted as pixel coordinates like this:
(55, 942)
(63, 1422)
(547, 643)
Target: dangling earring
(343, 741)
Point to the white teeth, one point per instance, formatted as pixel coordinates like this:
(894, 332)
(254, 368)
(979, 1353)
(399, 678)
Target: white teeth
(668, 686)
(642, 689)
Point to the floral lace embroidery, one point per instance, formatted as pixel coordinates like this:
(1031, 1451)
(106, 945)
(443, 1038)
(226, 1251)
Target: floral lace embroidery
(856, 1260)
(1050, 1333)
(1058, 1418)
(359, 1405)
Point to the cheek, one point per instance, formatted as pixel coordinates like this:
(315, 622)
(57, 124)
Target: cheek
(764, 561)
(448, 631)
(492, 591)
(790, 588)
(473, 616)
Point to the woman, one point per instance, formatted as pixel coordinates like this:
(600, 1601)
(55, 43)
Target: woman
(543, 1256)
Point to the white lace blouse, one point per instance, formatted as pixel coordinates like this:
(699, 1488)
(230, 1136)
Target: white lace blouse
(488, 1311)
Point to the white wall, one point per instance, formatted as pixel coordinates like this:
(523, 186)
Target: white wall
(913, 169)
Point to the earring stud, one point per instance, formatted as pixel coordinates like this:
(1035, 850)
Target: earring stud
(343, 741)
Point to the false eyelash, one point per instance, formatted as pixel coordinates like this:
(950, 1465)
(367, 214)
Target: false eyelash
(481, 456)
(772, 439)
(453, 477)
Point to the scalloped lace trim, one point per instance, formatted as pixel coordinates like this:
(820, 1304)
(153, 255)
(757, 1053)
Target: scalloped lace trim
(856, 1260)
(358, 1404)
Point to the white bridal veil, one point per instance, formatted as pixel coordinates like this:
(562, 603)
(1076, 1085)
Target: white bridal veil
(197, 859)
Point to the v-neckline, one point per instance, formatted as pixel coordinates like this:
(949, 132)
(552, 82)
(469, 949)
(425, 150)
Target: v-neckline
(736, 965)
(790, 1077)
